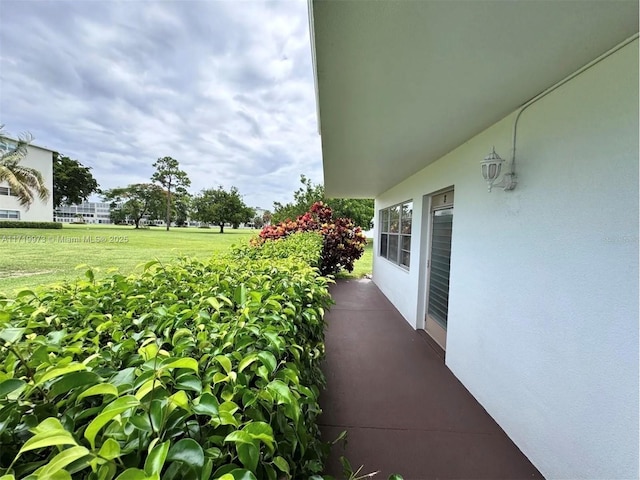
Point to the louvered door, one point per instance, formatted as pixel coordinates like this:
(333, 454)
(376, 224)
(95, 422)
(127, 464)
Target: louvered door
(439, 265)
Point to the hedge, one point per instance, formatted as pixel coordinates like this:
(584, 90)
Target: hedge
(15, 224)
(188, 370)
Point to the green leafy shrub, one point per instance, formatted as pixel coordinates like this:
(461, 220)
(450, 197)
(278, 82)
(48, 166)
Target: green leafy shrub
(343, 242)
(14, 224)
(191, 370)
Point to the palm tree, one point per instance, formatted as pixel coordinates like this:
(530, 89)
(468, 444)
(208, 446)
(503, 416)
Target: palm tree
(25, 182)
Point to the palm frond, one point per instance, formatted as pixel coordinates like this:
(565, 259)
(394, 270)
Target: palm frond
(24, 181)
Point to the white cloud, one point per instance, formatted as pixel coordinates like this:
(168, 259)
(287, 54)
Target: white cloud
(224, 87)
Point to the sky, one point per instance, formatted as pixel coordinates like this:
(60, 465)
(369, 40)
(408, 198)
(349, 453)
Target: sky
(225, 87)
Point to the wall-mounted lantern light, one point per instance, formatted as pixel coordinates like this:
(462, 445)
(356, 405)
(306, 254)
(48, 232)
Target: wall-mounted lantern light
(491, 169)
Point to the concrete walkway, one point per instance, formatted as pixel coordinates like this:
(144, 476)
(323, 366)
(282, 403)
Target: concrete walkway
(403, 409)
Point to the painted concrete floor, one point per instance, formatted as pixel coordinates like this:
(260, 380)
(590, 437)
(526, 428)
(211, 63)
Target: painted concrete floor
(402, 408)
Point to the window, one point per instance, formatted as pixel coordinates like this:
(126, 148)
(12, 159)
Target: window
(7, 191)
(7, 145)
(395, 233)
(10, 214)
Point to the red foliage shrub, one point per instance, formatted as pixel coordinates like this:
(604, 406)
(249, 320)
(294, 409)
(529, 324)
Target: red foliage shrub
(343, 242)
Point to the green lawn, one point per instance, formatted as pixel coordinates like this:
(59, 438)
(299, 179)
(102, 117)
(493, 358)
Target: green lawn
(34, 257)
(362, 267)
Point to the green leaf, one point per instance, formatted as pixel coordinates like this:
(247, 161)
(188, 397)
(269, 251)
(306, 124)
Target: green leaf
(227, 418)
(59, 475)
(7, 477)
(188, 451)
(230, 407)
(156, 412)
(238, 474)
(281, 391)
(189, 382)
(102, 389)
(246, 361)
(249, 455)
(11, 335)
(135, 474)
(190, 363)
(268, 360)
(239, 437)
(141, 422)
(48, 425)
(282, 464)
(57, 372)
(61, 460)
(260, 431)
(207, 469)
(214, 303)
(180, 399)
(10, 385)
(110, 449)
(206, 404)
(240, 294)
(25, 293)
(147, 387)
(90, 275)
(123, 377)
(73, 380)
(150, 264)
(224, 362)
(48, 439)
(110, 411)
(107, 471)
(157, 456)
(395, 476)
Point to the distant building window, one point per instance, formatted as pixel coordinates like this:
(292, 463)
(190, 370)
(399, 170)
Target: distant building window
(10, 214)
(7, 191)
(7, 145)
(395, 233)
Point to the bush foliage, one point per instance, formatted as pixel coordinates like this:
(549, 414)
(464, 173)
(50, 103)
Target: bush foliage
(343, 242)
(191, 370)
(17, 224)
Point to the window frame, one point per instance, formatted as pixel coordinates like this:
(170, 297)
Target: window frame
(6, 214)
(396, 237)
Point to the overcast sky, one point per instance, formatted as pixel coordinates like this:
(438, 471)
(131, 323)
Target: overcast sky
(225, 87)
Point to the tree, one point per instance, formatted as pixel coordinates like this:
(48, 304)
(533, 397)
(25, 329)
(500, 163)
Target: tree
(26, 183)
(360, 211)
(266, 217)
(258, 222)
(244, 216)
(217, 206)
(182, 208)
(135, 201)
(169, 175)
(72, 181)
(342, 242)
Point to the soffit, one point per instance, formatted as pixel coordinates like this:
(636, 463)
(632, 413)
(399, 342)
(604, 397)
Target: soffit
(402, 83)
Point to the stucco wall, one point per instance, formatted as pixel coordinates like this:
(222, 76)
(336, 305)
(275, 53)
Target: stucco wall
(39, 211)
(543, 312)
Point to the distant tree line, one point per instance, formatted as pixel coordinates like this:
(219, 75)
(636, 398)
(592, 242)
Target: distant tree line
(360, 211)
(166, 197)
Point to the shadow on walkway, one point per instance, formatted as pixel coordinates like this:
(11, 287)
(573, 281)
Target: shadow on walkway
(402, 408)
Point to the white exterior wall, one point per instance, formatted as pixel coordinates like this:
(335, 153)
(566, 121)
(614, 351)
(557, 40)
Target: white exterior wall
(543, 310)
(42, 160)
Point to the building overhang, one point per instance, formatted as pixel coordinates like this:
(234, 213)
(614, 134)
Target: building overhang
(401, 83)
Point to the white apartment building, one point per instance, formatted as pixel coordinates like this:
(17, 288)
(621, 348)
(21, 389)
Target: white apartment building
(85, 212)
(41, 159)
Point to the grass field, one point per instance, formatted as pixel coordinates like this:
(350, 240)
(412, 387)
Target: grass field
(34, 257)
